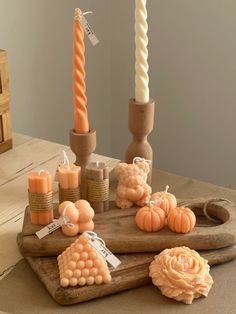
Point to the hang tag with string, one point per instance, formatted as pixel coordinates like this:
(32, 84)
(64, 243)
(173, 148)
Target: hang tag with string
(56, 224)
(87, 28)
(99, 245)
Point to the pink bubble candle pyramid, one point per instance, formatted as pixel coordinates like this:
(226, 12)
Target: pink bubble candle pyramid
(80, 264)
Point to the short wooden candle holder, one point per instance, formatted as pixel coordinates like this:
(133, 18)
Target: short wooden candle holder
(83, 145)
(140, 123)
(5, 120)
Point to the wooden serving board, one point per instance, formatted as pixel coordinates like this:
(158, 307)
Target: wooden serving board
(118, 229)
(132, 272)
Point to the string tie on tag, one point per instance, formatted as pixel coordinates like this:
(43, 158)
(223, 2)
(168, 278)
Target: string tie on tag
(82, 13)
(156, 202)
(68, 224)
(93, 236)
(138, 159)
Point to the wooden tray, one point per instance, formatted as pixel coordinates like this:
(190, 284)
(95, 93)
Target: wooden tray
(118, 229)
(132, 272)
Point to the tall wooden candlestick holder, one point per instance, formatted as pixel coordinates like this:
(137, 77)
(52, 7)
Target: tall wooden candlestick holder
(83, 145)
(140, 123)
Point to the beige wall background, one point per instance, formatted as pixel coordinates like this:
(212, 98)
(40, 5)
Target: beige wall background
(192, 49)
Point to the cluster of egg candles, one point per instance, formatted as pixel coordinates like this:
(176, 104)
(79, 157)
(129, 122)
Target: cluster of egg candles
(81, 264)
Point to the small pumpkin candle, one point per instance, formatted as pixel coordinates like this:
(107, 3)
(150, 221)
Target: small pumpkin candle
(168, 200)
(181, 220)
(150, 217)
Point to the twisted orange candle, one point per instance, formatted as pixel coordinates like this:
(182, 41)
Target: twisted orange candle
(81, 124)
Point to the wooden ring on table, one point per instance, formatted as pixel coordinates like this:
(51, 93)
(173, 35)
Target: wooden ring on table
(205, 207)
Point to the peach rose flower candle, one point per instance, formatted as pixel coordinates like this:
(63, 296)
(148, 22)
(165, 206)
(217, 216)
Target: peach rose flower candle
(182, 274)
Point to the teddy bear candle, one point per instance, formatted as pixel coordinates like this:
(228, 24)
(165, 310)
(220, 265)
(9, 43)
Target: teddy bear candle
(132, 187)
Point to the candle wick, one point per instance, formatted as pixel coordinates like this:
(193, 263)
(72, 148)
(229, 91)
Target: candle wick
(87, 12)
(66, 160)
(41, 171)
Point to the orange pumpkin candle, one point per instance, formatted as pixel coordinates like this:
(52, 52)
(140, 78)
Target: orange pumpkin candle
(169, 201)
(151, 217)
(181, 220)
(81, 124)
(40, 197)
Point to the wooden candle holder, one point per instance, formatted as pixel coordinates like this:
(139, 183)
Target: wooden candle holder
(83, 145)
(5, 120)
(140, 123)
(97, 175)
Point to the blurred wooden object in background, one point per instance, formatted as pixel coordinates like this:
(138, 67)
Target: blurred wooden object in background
(5, 119)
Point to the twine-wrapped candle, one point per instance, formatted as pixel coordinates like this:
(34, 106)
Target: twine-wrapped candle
(68, 181)
(40, 197)
(97, 176)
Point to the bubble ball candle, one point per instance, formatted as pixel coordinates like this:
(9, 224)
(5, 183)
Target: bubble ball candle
(80, 264)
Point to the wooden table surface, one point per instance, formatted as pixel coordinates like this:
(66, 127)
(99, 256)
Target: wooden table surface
(20, 290)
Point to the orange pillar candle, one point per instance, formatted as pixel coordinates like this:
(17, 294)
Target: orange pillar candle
(81, 124)
(69, 181)
(40, 193)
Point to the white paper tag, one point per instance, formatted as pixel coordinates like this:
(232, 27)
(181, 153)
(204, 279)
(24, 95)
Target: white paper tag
(56, 224)
(88, 29)
(97, 244)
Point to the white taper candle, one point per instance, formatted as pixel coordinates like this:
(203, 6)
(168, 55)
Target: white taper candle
(141, 52)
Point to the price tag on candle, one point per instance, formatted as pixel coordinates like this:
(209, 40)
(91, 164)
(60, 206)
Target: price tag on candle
(88, 29)
(56, 224)
(99, 245)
